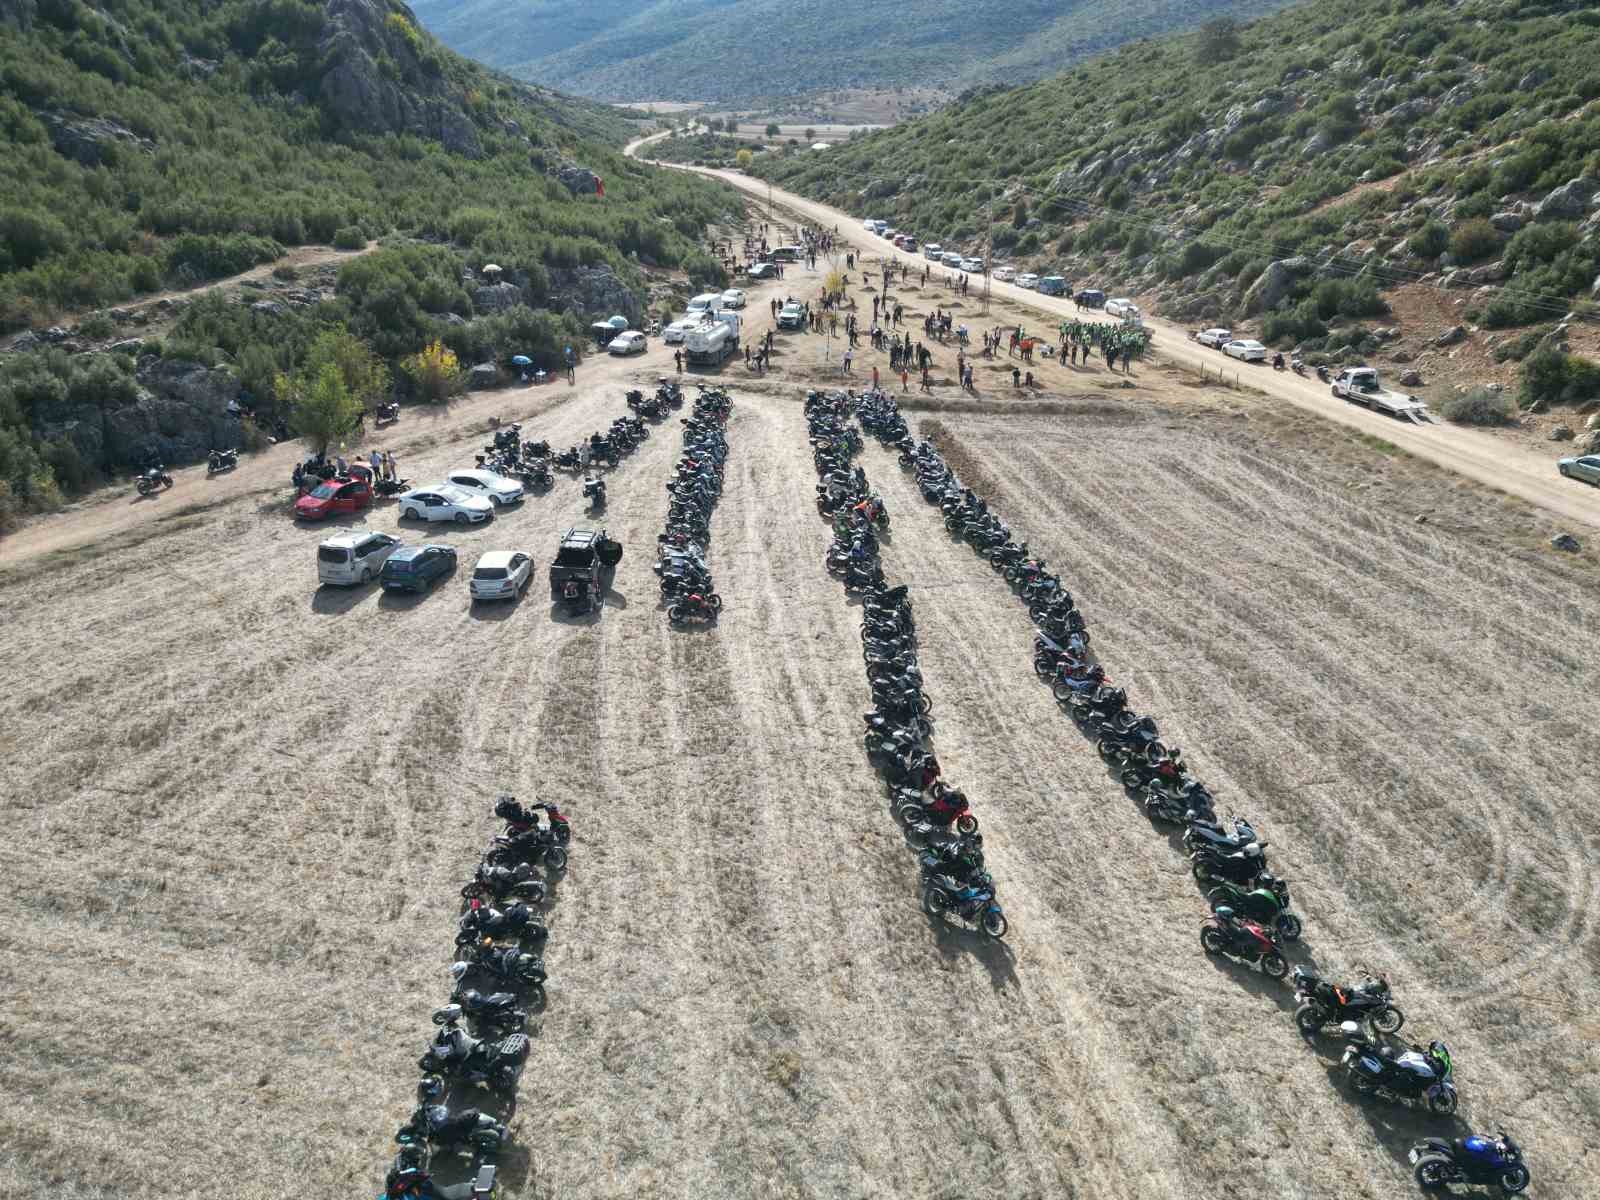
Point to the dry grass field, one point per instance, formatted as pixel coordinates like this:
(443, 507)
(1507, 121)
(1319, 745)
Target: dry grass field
(238, 809)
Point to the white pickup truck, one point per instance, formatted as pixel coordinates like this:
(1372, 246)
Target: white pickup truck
(1361, 385)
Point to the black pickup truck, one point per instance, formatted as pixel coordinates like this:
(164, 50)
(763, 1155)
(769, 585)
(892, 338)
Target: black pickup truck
(582, 566)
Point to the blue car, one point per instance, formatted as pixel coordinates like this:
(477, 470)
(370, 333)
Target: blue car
(414, 568)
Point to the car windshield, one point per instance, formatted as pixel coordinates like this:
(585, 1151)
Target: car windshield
(489, 573)
(332, 554)
(323, 492)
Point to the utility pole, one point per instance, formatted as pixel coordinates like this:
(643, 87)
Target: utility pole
(988, 248)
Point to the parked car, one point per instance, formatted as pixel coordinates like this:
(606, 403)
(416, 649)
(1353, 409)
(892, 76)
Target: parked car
(1028, 280)
(445, 502)
(496, 488)
(1122, 307)
(972, 266)
(950, 259)
(586, 558)
(674, 334)
(1004, 274)
(733, 298)
(933, 251)
(414, 568)
(1245, 350)
(764, 270)
(908, 243)
(333, 496)
(787, 254)
(1091, 298)
(1215, 338)
(500, 575)
(354, 557)
(791, 316)
(629, 341)
(1053, 285)
(1586, 468)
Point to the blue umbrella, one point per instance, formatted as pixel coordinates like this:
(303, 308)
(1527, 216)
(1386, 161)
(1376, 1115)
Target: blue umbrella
(521, 360)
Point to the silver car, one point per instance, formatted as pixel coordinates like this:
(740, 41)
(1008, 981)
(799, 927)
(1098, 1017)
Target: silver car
(1586, 468)
(500, 575)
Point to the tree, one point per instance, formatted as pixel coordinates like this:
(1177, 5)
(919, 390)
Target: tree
(365, 377)
(1019, 215)
(744, 158)
(811, 134)
(321, 408)
(434, 371)
(772, 129)
(714, 124)
(1219, 40)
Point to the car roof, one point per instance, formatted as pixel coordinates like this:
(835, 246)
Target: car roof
(406, 551)
(348, 541)
(499, 558)
(479, 473)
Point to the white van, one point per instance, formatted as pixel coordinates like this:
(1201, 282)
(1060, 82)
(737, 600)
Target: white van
(705, 302)
(354, 557)
(933, 250)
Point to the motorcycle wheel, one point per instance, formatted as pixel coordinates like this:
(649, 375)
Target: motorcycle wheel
(1514, 1180)
(1388, 1020)
(1212, 941)
(1360, 1083)
(536, 997)
(934, 901)
(1443, 1104)
(1433, 1172)
(675, 614)
(1106, 750)
(1289, 926)
(912, 814)
(1201, 873)
(1274, 966)
(995, 925)
(1043, 666)
(967, 823)
(1309, 1018)
(555, 858)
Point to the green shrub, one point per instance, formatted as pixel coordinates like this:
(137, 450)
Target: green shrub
(1551, 378)
(97, 326)
(1432, 240)
(349, 238)
(1480, 406)
(1474, 240)
(210, 256)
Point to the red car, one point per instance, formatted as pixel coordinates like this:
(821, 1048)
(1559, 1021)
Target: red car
(333, 496)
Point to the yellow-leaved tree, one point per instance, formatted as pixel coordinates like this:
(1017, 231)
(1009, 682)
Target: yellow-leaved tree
(744, 158)
(434, 372)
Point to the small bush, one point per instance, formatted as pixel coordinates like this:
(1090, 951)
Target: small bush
(286, 273)
(1479, 406)
(97, 326)
(349, 238)
(1473, 240)
(1432, 240)
(1551, 377)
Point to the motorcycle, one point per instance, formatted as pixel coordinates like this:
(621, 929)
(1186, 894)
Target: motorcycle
(1266, 904)
(526, 846)
(454, 1053)
(696, 606)
(1277, 362)
(412, 1182)
(1322, 374)
(975, 904)
(594, 491)
(1210, 866)
(1209, 833)
(387, 414)
(1242, 940)
(1298, 366)
(515, 920)
(537, 476)
(497, 1012)
(947, 807)
(1474, 1159)
(390, 487)
(221, 460)
(496, 884)
(152, 480)
(1415, 1074)
(436, 1125)
(505, 963)
(1321, 1003)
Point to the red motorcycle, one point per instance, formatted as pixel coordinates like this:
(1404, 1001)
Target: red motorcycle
(1242, 940)
(696, 606)
(947, 805)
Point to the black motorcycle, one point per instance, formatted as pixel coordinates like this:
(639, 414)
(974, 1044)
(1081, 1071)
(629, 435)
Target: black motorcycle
(221, 460)
(155, 479)
(496, 884)
(1321, 1003)
(435, 1125)
(1474, 1159)
(1204, 833)
(494, 1013)
(387, 414)
(1244, 866)
(455, 1054)
(514, 921)
(505, 963)
(1417, 1074)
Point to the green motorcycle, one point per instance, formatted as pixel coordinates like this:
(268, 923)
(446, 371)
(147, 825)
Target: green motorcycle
(1267, 904)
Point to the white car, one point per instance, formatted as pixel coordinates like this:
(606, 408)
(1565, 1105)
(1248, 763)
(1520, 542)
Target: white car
(674, 334)
(1246, 350)
(354, 557)
(1005, 274)
(972, 266)
(445, 502)
(934, 251)
(1028, 280)
(496, 488)
(1122, 307)
(704, 302)
(1215, 338)
(629, 341)
(764, 270)
(733, 298)
(501, 575)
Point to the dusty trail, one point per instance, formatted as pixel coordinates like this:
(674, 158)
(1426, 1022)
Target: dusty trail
(1477, 454)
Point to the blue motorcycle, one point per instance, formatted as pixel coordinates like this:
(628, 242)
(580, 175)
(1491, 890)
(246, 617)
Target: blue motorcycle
(970, 904)
(1473, 1159)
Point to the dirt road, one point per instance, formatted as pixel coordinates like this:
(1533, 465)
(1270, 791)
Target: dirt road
(1476, 454)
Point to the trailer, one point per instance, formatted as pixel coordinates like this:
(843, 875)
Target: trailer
(711, 345)
(1361, 385)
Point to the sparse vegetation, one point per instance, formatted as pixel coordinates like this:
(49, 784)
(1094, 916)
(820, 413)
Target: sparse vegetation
(1479, 406)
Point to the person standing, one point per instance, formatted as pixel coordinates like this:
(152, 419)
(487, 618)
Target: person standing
(677, 359)
(874, 376)
(392, 464)
(848, 355)
(905, 377)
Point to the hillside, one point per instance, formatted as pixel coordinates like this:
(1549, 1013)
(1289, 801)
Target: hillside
(1338, 152)
(726, 51)
(158, 145)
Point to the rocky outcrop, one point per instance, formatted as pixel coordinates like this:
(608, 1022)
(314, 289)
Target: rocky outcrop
(358, 94)
(499, 297)
(592, 292)
(580, 181)
(1274, 284)
(181, 414)
(1451, 336)
(1569, 202)
(483, 375)
(84, 139)
(1509, 221)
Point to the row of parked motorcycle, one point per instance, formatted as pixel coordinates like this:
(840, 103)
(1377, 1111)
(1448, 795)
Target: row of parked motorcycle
(1251, 919)
(936, 816)
(696, 484)
(480, 1048)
